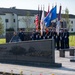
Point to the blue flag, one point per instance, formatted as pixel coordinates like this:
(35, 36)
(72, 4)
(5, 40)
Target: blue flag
(51, 16)
(54, 13)
(47, 20)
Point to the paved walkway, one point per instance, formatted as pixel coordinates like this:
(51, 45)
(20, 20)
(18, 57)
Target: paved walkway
(68, 68)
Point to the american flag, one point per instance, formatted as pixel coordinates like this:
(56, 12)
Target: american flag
(37, 21)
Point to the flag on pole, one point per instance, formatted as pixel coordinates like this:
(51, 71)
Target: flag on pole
(40, 13)
(54, 13)
(58, 22)
(59, 15)
(57, 27)
(51, 16)
(48, 10)
(37, 22)
(42, 22)
(39, 16)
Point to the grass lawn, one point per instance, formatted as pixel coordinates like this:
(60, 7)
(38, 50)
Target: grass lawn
(71, 40)
(2, 40)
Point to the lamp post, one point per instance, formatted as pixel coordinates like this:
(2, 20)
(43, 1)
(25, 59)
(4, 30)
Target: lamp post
(6, 20)
(18, 25)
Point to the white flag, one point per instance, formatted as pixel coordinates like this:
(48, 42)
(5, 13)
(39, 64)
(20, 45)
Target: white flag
(58, 22)
(58, 27)
(42, 22)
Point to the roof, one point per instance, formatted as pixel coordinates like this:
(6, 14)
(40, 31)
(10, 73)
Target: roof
(19, 12)
(70, 15)
(23, 12)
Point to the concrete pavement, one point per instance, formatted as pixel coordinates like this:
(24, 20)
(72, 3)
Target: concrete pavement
(68, 68)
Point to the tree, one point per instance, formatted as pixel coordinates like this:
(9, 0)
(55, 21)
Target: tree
(1, 27)
(27, 19)
(66, 18)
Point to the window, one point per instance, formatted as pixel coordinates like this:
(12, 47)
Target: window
(6, 20)
(72, 29)
(71, 22)
(13, 20)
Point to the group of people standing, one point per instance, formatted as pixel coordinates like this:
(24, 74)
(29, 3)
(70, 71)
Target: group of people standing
(61, 40)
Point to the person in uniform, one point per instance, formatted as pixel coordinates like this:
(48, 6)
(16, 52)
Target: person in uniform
(57, 40)
(55, 37)
(61, 36)
(44, 34)
(50, 33)
(37, 34)
(66, 38)
(21, 35)
(47, 33)
(33, 35)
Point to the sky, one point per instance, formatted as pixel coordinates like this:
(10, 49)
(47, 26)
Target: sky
(33, 4)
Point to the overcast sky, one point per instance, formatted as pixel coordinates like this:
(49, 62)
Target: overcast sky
(33, 4)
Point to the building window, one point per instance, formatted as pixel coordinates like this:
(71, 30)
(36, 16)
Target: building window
(63, 24)
(13, 20)
(72, 29)
(71, 22)
(6, 20)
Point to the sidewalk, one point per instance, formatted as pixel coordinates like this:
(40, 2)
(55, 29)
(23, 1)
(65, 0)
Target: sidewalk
(68, 68)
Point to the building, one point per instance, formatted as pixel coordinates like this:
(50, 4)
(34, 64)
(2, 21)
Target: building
(15, 18)
(71, 23)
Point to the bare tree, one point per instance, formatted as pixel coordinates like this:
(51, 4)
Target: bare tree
(66, 17)
(27, 19)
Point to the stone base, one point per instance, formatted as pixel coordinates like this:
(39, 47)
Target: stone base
(34, 64)
(71, 52)
(44, 65)
(62, 53)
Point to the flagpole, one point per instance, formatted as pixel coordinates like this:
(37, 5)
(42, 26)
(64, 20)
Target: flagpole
(42, 22)
(58, 21)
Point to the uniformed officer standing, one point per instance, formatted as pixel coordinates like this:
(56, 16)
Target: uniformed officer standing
(44, 34)
(22, 35)
(37, 34)
(33, 36)
(61, 35)
(47, 33)
(57, 41)
(55, 37)
(66, 38)
(50, 34)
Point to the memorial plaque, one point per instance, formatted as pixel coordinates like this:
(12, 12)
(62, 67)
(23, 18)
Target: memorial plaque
(37, 51)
